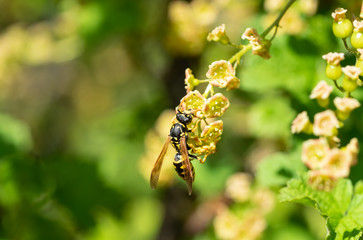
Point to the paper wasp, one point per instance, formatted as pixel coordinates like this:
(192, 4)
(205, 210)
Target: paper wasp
(178, 137)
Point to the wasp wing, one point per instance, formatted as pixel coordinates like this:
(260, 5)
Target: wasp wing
(188, 173)
(155, 172)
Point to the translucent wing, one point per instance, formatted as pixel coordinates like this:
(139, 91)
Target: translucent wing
(188, 173)
(154, 177)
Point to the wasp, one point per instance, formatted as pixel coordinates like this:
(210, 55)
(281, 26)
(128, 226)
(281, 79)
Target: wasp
(178, 137)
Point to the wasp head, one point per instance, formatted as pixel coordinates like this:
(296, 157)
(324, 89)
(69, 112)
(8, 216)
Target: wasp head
(184, 117)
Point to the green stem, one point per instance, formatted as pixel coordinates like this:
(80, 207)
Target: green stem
(278, 19)
(208, 90)
(237, 57)
(245, 48)
(338, 87)
(352, 51)
(203, 81)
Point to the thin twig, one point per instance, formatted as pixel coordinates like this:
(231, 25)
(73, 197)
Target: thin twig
(278, 19)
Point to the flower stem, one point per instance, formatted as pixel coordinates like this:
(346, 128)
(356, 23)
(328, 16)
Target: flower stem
(237, 57)
(208, 90)
(338, 87)
(278, 19)
(352, 51)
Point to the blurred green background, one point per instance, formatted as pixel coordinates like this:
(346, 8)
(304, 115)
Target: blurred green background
(82, 84)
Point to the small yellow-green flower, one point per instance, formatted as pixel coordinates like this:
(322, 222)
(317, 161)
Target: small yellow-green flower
(338, 163)
(193, 101)
(301, 123)
(260, 46)
(353, 149)
(238, 187)
(339, 14)
(215, 106)
(321, 93)
(314, 152)
(190, 81)
(222, 74)
(325, 124)
(352, 72)
(218, 35)
(333, 58)
(345, 106)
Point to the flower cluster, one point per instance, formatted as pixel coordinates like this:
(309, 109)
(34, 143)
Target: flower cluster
(326, 161)
(324, 157)
(204, 135)
(209, 105)
(244, 217)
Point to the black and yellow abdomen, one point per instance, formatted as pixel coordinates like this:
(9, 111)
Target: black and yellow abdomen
(180, 168)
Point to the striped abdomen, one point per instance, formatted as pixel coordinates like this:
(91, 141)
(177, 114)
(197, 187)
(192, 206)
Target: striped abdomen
(179, 167)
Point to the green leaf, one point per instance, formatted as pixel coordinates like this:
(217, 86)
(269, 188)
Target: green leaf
(342, 208)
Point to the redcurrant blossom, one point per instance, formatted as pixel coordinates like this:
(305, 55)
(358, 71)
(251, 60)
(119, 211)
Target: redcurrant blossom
(195, 101)
(339, 14)
(346, 104)
(215, 106)
(358, 25)
(314, 152)
(264, 199)
(222, 74)
(227, 225)
(238, 187)
(352, 72)
(353, 149)
(321, 91)
(218, 35)
(333, 58)
(259, 46)
(190, 81)
(325, 124)
(360, 50)
(338, 163)
(301, 123)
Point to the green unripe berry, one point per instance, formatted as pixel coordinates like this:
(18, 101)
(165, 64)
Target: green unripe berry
(343, 28)
(357, 39)
(333, 72)
(349, 85)
(359, 63)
